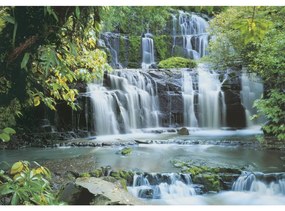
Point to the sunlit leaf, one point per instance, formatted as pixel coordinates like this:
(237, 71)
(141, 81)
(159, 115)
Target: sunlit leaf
(37, 101)
(17, 167)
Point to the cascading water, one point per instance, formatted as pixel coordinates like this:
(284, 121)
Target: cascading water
(147, 51)
(188, 93)
(211, 98)
(130, 103)
(252, 89)
(164, 186)
(112, 41)
(193, 31)
(270, 184)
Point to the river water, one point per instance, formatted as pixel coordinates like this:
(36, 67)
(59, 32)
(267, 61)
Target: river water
(216, 148)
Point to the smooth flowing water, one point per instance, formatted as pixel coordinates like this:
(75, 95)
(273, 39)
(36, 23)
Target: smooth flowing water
(193, 30)
(147, 51)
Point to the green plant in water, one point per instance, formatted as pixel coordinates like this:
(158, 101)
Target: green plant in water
(23, 185)
(177, 62)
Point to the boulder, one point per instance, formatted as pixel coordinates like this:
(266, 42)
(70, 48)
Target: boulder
(107, 193)
(183, 131)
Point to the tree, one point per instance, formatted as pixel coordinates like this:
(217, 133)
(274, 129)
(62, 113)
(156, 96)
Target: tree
(45, 52)
(255, 38)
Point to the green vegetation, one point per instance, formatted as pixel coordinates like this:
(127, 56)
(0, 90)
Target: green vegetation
(177, 62)
(23, 185)
(162, 47)
(6, 133)
(126, 151)
(135, 20)
(254, 37)
(45, 53)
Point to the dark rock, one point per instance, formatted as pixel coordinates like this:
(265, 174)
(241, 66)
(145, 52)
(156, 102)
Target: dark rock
(183, 131)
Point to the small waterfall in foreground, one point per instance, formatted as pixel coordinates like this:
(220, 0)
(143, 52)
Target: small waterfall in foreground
(194, 35)
(252, 89)
(147, 51)
(163, 186)
(212, 107)
(272, 184)
(188, 94)
(130, 103)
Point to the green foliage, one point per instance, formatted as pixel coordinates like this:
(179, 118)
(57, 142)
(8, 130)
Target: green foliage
(177, 62)
(135, 57)
(26, 186)
(273, 108)
(254, 37)
(6, 133)
(162, 47)
(135, 20)
(126, 151)
(45, 53)
(9, 113)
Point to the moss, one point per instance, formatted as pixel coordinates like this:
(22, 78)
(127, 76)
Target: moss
(85, 174)
(126, 151)
(96, 173)
(124, 183)
(177, 62)
(211, 182)
(123, 51)
(162, 45)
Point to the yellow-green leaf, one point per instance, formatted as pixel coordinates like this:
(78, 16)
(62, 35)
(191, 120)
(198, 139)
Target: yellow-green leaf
(17, 167)
(37, 101)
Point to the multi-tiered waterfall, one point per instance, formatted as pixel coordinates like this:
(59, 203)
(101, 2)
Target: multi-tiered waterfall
(192, 29)
(130, 102)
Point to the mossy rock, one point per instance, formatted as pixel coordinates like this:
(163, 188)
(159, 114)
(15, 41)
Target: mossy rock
(85, 174)
(211, 182)
(177, 62)
(126, 151)
(96, 173)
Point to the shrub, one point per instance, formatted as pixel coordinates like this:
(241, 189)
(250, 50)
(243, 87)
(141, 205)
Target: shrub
(25, 186)
(177, 62)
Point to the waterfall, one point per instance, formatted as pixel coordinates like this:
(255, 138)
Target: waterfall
(193, 32)
(112, 41)
(147, 51)
(271, 184)
(163, 186)
(189, 116)
(252, 89)
(131, 102)
(211, 99)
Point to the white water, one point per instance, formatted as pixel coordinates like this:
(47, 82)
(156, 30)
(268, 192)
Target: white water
(247, 190)
(130, 103)
(252, 89)
(147, 51)
(188, 93)
(193, 31)
(165, 186)
(212, 109)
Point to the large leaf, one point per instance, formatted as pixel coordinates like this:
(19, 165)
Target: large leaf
(77, 12)
(9, 130)
(5, 137)
(15, 199)
(25, 61)
(17, 167)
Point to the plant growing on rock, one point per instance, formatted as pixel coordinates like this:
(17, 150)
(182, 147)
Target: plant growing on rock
(177, 62)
